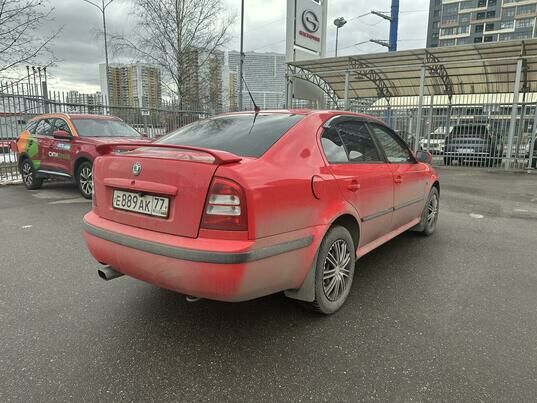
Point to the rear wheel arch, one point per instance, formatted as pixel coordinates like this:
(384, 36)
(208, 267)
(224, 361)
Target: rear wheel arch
(306, 292)
(349, 222)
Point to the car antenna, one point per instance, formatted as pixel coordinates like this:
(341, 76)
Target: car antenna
(257, 109)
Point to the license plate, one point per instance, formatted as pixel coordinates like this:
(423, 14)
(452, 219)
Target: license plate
(465, 150)
(146, 204)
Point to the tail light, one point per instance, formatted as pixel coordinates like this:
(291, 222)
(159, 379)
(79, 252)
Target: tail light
(225, 208)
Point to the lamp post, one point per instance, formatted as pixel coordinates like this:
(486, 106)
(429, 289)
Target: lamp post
(338, 22)
(241, 63)
(102, 8)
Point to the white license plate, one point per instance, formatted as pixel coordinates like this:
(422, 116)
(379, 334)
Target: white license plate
(146, 204)
(465, 150)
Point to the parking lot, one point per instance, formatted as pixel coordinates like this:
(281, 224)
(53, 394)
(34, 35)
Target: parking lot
(449, 317)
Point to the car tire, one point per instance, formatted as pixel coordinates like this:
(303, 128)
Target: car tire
(334, 271)
(29, 177)
(84, 179)
(429, 216)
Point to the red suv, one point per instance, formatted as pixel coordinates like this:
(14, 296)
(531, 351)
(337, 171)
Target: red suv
(63, 146)
(244, 205)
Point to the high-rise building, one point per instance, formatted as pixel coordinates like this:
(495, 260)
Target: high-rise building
(477, 21)
(77, 102)
(132, 85)
(202, 80)
(264, 74)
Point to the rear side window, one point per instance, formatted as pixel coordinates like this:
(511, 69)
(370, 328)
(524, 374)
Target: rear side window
(238, 134)
(349, 142)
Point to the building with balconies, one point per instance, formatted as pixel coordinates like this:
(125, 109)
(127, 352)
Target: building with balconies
(456, 22)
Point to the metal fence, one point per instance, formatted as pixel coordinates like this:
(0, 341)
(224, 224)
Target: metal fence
(22, 100)
(471, 130)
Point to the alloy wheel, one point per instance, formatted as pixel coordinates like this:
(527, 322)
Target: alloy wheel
(27, 173)
(432, 211)
(86, 180)
(336, 273)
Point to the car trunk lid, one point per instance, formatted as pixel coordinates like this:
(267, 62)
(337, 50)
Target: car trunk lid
(180, 175)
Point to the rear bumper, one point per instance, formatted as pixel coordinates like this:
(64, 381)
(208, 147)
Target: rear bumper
(216, 269)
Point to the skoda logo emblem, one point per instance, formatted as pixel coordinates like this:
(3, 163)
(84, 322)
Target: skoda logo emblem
(310, 21)
(136, 169)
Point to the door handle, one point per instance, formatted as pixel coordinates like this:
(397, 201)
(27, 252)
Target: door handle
(353, 186)
(398, 179)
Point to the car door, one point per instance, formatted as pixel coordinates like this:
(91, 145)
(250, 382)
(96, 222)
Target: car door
(364, 178)
(60, 149)
(43, 136)
(409, 176)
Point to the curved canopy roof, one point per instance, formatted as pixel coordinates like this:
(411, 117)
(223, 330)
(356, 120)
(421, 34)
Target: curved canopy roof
(470, 69)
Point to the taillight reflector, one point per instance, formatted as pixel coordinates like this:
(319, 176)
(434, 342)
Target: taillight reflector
(226, 207)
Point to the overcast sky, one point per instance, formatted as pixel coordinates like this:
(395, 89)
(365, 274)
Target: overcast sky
(80, 47)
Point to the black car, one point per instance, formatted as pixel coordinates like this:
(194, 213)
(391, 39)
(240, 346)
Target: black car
(473, 143)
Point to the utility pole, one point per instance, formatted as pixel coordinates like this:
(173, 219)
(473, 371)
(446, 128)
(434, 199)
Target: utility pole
(102, 8)
(241, 67)
(394, 25)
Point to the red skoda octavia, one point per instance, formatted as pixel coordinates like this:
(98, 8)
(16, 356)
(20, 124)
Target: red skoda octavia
(244, 205)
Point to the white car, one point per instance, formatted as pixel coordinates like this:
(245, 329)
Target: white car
(437, 142)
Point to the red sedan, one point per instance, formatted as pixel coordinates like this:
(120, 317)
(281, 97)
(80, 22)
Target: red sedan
(245, 205)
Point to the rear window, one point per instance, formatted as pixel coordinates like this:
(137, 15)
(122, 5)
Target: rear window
(103, 128)
(238, 134)
(470, 131)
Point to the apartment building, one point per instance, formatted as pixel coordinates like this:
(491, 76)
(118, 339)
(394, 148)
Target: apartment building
(455, 22)
(132, 85)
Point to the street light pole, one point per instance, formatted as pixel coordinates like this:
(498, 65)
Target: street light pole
(241, 56)
(102, 8)
(338, 22)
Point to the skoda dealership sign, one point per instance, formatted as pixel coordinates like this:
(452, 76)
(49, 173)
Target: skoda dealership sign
(308, 27)
(310, 21)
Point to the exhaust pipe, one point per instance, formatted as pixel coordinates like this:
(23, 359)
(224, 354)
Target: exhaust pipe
(107, 273)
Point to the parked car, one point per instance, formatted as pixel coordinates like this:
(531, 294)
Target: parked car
(244, 205)
(473, 143)
(63, 146)
(437, 141)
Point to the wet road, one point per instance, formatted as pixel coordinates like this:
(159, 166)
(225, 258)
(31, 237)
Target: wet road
(449, 317)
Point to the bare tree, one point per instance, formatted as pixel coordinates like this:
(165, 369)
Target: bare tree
(179, 36)
(21, 40)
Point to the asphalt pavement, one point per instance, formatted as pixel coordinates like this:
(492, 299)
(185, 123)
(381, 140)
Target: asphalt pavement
(452, 317)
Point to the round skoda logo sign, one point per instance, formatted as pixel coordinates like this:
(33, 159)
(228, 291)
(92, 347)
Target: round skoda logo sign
(310, 21)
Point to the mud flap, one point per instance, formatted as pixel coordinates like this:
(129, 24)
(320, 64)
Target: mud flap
(305, 293)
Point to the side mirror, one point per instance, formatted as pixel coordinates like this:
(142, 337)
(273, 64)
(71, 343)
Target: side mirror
(424, 156)
(61, 135)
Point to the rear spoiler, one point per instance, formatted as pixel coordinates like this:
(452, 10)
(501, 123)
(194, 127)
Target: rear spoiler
(220, 157)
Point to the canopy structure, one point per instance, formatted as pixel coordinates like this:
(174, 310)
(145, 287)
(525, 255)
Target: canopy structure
(470, 69)
(495, 68)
